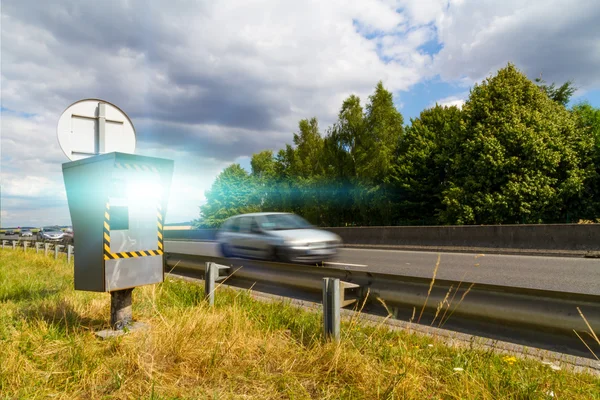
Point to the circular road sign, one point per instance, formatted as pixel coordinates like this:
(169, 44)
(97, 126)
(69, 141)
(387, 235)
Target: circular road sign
(90, 127)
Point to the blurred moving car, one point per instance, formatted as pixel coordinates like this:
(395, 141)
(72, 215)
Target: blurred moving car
(277, 237)
(26, 233)
(68, 237)
(9, 232)
(50, 233)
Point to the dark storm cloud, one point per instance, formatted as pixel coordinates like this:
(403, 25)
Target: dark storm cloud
(207, 141)
(87, 32)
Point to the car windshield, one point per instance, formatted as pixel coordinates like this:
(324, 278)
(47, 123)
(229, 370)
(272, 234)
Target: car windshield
(51, 229)
(280, 222)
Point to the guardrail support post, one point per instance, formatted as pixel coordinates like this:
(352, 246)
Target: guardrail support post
(331, 308)
(14, 244)
(46, 247)
(37, 247)
(70, 249)
(57, 248)
(25, 244)
(120, 309)
(3, 243)
(211, 276)
(334, 298)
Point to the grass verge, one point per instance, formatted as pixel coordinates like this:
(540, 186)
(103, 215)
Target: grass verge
(241, 348)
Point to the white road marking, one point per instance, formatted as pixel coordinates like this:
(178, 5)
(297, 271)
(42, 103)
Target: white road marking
(346, 264)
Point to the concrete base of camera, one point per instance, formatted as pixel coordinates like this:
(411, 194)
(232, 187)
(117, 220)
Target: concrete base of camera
(111, 333)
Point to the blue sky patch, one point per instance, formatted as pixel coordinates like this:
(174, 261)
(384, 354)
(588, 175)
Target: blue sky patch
(424, 95)
(20, 114)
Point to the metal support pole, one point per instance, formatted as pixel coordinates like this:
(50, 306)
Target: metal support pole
(25, 244)
(211, 276)
(46, 247)
(14, 243)
(70, 250)
(57, 248)
(120, 309)
(3, 243)
(331, 308)
(37, 247)
(209, 282)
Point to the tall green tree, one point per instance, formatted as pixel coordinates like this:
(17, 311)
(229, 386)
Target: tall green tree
(340, 145)
(376, 150)
(264, 178)
(426, 152)
(308, 154)
(522, 157)
(232, 193)
(561, 94)
(339, 155)
(376, 146)
(588, 118)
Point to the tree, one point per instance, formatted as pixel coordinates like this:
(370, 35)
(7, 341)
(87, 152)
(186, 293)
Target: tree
(308, 160)
(376, 146)
(521, 156)
(339, 154)
(425, 154)
(340, 145)
(263, 177)
(376, 150)
(588, 119)
(561, 94)
(231, 193)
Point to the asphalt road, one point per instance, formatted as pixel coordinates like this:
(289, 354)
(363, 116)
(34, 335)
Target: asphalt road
(563, 274)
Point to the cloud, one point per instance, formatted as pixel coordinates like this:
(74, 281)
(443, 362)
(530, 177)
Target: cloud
(557, 38)
(450, 101)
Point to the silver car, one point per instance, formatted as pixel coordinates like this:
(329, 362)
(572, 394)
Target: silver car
(50, 233)
(277, 237)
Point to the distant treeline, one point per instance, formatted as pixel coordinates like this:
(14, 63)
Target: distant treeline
(514, 153)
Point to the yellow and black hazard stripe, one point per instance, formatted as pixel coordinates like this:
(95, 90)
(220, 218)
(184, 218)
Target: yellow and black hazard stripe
(136, 167)
(106, 234)
(159, 215)
(130, 254)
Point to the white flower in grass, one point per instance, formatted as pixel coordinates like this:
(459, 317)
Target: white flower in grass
(458, 369)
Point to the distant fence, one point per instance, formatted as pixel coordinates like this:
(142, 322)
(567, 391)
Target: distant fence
(583, 237)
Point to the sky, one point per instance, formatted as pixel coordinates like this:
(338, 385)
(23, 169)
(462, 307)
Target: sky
(209, 83)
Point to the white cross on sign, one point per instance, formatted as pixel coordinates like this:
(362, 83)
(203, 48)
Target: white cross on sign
(92, 126)
(100, 134)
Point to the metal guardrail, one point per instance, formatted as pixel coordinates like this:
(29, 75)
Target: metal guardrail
(538, 310)
(57, 248)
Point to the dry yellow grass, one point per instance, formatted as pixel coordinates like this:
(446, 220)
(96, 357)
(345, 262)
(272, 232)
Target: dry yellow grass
(241, 349)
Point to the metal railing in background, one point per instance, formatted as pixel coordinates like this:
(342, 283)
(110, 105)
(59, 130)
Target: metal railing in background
(533, 309)
(37, 246)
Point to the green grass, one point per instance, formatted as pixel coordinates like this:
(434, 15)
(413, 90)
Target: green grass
(241, 348)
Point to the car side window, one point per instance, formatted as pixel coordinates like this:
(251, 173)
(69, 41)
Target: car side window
(227, 225)
(245, 224)
(234, 226)
(254, 226)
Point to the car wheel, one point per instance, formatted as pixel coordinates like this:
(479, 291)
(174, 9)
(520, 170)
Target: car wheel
(271, 255)
(282, 256)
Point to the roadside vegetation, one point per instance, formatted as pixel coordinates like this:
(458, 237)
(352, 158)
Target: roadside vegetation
(516, 152)
(241, 348)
